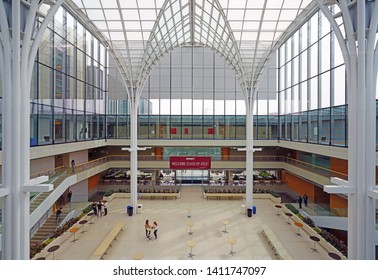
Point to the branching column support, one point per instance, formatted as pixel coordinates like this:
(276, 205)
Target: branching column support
(20, 39)
(359, 50)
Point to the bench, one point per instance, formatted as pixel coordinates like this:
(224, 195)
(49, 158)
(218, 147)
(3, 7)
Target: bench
(159, 195)
(107, 242)
(275, 244)
(220, 196)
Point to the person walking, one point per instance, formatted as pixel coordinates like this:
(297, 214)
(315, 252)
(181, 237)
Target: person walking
(73, 166)
(305, 200)
(58, 215)
(155, 227)
(147, 228)
(300, 200)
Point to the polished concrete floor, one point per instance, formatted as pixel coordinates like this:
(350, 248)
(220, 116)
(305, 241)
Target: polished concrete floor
(171, 244)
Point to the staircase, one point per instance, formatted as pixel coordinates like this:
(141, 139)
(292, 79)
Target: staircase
(46, 230)
(49, 226)
(42, 196)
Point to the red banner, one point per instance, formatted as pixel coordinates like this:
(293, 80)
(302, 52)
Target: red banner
(189, 163)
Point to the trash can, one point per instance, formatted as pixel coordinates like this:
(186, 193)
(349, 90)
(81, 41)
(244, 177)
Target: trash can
(139, 209)
(249, 212)
(130, 210)
(254, 210)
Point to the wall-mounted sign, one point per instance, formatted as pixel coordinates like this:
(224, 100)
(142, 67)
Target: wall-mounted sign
(188, 163)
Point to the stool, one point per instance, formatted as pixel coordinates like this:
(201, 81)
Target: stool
(190, 224)
(316, 240)
(74, 230)
(298, 225)
(189, 211)
(243, 209)
(334, 256)
(90, 214)
(288, 217)
(53, 249)
(278, 209)
(225, 222)
(191, 244)
(232, 242)
(83, 222)
(138, 256)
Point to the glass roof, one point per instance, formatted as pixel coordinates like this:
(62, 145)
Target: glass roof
(245, 32)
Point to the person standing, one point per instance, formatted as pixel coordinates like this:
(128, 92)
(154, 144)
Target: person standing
(155, 227)
(147, 228)
(99, 208)
(94, 207)
(300, 200)
(305, 200)
(73, 166)
(105, 208)
(69, 196)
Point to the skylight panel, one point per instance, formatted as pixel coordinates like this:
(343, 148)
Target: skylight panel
(147, 14)
(288, 14)
(112, 15)
(240, 4)
(148, 4)
(95, 14)
(235, 14)
(128, 4)
(117, 36)
(115, 25)
(130, 14)
(92, 4)
(111, 4)
(253, 14)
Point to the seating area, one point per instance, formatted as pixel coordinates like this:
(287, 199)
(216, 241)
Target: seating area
(107, 242)
(276, 245)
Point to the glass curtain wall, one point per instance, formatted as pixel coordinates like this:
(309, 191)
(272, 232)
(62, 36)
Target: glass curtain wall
(193, 94)
(68, 87)
(312, 92)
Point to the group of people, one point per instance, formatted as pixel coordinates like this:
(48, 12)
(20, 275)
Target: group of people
(100, 208)
(303, 199)
(148, 228)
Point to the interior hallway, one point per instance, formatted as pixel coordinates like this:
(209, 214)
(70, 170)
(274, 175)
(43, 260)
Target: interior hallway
(207, 216)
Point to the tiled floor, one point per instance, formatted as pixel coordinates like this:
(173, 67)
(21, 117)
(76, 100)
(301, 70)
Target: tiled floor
(207, 216)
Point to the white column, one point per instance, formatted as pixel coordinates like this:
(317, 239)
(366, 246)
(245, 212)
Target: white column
(359, 52)
(249, 150)
(18, 57)
(16, 132)
(133, 149)
(6, 137)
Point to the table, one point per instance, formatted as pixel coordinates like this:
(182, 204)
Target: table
(232, 242)
(225, 223)
(52, 249)
(316, 240)
(138, 256)
(74, 230)
(190, 224)
(278, 208)
(288, 217)
(298, 225)
(83, 222)
(191, 244)
(334, 256)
